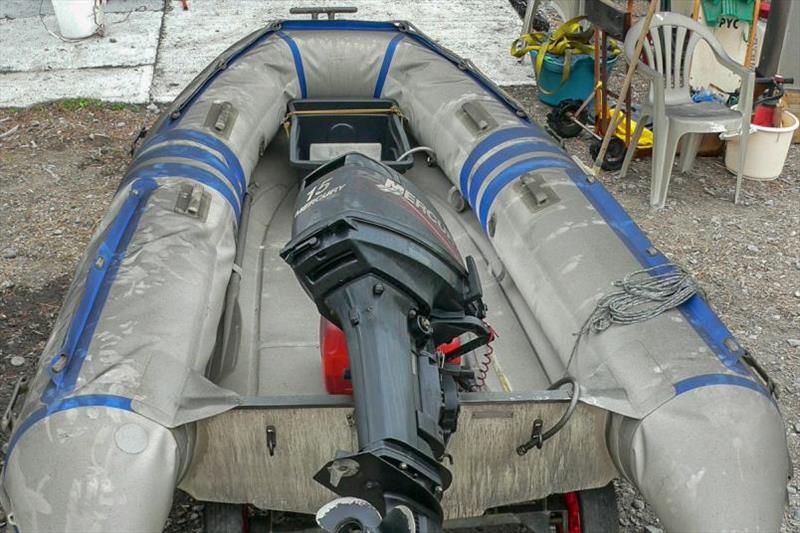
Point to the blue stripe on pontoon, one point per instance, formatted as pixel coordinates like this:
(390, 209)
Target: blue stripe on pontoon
(181, 170)
(298, 62)
(387, 62)
(88, 400)
(182, 134)
(490, 142)
(192, 153)
(696, 310)
(512, 173)
(98, 283)
(502, 156)
(709, 380)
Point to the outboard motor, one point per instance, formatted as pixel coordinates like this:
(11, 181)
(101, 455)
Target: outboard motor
(378, 261)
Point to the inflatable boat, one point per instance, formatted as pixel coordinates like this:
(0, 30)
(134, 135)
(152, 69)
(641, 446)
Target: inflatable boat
(345, 275)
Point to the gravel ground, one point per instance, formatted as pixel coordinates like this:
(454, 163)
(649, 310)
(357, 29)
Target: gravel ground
(60, 164)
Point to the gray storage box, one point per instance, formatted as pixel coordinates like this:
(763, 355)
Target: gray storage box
(322, 130)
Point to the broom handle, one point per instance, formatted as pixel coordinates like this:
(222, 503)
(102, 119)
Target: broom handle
(696, 10)
(626, 85)
(748, 56)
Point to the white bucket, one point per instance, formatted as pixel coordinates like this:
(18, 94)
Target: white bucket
(78, 19)
(766, 150)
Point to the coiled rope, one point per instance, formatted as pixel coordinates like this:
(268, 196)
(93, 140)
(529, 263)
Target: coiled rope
(644, 295)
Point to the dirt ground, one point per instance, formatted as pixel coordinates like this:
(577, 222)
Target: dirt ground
(60, 164)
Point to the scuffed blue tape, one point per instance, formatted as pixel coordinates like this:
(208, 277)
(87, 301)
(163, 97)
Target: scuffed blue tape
(236, 173)
(186, 171)
(99, 279)
(387, 62)
(74, 402)
(706, 322)
(475, 182)
(192, 153)
(709, 380)
(488, 143)
(511, 174)
(298, 62)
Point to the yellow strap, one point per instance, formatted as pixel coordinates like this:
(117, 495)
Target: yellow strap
(568, 39)
(568, 35)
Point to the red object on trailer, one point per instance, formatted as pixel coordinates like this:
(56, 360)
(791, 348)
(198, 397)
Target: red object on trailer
(573, 512)
(447, 347)
(336, 363)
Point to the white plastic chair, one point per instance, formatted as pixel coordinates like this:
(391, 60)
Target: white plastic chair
(668, 51)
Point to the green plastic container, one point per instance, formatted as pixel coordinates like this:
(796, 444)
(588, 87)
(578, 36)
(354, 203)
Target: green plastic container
(580, 83)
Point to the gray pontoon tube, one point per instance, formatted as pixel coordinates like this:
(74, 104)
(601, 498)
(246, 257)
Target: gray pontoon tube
(105, 431)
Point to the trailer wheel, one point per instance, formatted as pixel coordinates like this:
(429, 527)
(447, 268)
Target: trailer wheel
(615, 154)
(560, 119)
(223, 517)
(598, 509)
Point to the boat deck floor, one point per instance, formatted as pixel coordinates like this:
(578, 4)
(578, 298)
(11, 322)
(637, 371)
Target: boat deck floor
(278, 350)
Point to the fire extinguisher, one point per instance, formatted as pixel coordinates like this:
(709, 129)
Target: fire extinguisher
(766, 105)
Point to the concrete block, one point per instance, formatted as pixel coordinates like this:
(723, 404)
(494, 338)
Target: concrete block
(131, 84)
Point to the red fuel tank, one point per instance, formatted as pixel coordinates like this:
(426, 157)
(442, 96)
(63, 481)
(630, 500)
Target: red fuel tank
(336, 364)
